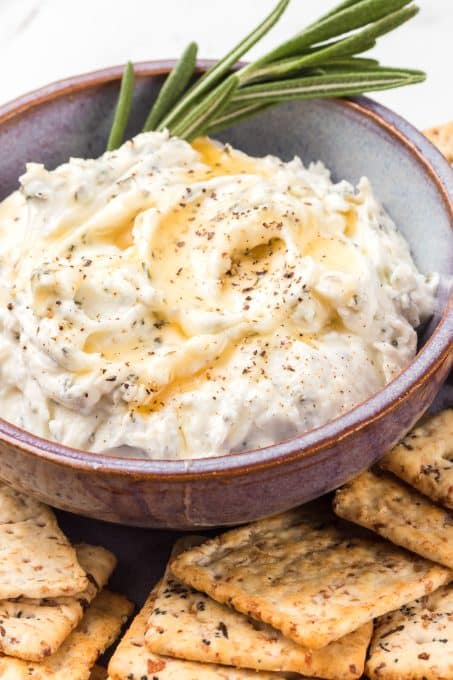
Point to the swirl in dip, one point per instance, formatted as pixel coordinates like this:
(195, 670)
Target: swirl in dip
(183, 301)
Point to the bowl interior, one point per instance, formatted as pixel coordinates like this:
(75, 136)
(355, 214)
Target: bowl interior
(76, 122)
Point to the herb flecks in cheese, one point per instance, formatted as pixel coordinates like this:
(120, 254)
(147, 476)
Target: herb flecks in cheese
(189, 300)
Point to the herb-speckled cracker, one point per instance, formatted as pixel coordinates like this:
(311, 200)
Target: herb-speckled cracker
(416, 641)
(36, 558)
(16, 506)
(97, 562)
(187, 624)
(133, 661)
(424, 459)
(33, 630)
(76, 657)
(442, 137)
(308, 574)
(400, 514)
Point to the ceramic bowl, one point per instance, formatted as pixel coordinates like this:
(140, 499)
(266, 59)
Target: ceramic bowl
(353, 138)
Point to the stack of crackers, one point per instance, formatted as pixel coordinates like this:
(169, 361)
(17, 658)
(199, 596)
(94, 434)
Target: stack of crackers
(55, 617)
(308, 593)
(409, 501)
(314, 593)
(311, 593)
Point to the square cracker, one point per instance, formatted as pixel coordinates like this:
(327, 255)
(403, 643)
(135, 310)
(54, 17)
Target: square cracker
(36, 558)
(442, 137)
(424, 459)
(133, 661)
(402, 515)
(33, 630)
(98, 562)
(308, 574)
(416, 641)
(76, 657)
(187, 624)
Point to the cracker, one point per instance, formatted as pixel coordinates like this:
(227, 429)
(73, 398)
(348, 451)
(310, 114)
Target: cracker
(36, 558)
(187, 624)
(33, 630)
(308, 574)
(97, 562)
(76, 657)
(133, 661)
(400, 514)
(16, 506)
(416, 641)
(442, 137)
(424, 459)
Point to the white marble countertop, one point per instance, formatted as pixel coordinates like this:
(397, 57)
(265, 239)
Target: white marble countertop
(44, 40)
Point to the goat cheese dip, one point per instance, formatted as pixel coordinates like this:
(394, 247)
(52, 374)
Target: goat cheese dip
(176, 300)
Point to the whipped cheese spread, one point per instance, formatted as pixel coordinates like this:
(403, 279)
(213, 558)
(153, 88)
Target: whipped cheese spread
(179, 301)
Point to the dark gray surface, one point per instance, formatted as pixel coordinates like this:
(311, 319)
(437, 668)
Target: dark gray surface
(142, 553)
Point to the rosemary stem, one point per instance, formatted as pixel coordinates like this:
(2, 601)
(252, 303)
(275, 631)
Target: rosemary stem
(123, 108)
(214, 74)
(173, 87)
(319, 61)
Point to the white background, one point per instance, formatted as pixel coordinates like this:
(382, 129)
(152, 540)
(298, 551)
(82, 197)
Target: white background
(44, 40)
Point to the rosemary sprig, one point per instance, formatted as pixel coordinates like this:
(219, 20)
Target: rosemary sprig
(326, 85)
(194, 123)
(235, 114)
(338, 8)
(335, 79)
(123, 108)
(173, 87)
(341, 22)
(320, 61)
(358, 42)
(294, 66)
(216, 72)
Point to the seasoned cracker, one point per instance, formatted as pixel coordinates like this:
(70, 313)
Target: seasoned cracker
(187, 624)
(33, 630)
(36, 558)
(16, 506)
(416, 641)
(424, 459)
(133, 661)
(97, 562)
(76, 657)
(308, 574)
(442, 137)
(402, 515)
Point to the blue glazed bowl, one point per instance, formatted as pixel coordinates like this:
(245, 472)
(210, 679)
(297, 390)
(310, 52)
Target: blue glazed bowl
(353, 138)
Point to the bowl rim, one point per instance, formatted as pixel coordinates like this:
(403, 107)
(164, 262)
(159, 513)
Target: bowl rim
(305, 446)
